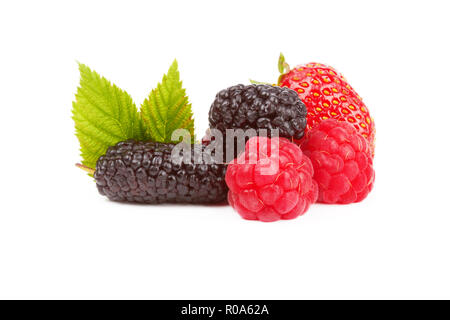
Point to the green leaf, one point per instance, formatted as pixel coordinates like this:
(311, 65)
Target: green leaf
(167, 108)
(104, 115)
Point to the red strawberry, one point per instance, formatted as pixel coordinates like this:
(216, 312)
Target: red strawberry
(327, 94)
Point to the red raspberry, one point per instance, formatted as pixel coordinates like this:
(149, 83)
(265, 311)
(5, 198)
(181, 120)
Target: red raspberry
(267, 185)
(342, 162)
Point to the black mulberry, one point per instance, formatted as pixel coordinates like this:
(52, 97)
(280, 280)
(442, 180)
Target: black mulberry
(135, 171)
(259, 107)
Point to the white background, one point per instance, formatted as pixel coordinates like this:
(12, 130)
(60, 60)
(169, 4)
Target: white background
(60, 239)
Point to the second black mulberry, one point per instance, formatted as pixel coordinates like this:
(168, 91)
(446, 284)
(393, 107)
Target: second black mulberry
(259, 107)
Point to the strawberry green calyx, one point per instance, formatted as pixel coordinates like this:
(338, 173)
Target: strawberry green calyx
(260, 82)
(283, 67)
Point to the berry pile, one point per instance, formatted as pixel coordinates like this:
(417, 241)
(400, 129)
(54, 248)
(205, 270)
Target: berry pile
(322, 149)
